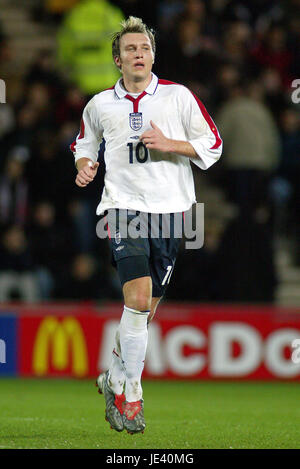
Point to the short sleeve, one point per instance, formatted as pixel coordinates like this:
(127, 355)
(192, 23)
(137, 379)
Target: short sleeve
(89, 138)
(200, 130)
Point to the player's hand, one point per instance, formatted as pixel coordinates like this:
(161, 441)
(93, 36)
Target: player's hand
(154, 139)
(86, 174)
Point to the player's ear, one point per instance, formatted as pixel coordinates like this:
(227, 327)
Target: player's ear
(118, 62)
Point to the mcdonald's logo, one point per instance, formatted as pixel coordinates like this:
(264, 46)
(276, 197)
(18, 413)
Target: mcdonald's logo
(61, 344)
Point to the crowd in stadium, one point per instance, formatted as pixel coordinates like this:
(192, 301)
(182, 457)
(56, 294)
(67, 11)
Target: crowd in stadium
(240, 58)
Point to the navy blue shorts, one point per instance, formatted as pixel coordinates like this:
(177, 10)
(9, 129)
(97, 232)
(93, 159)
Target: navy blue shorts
(144, 244)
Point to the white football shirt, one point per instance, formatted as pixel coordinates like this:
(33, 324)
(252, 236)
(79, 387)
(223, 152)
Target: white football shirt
(138, 178)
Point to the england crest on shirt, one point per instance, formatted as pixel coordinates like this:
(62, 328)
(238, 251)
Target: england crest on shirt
(136, 120)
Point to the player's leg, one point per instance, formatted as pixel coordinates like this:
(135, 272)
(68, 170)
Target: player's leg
(129, 353)
(136, 297)
(133, 340)
(130, 257)
(116, 375)
(164, 250)
(154, 303)
(135, 278)
(134, 333)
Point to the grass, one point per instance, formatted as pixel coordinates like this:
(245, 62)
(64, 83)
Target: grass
(179, 415)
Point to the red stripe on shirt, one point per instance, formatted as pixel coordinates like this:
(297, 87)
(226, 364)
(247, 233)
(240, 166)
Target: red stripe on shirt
(210, 122)
(166, 82)
(205, 114)
(81, 135)
(72, 146)
(82, 129)
(136, 101)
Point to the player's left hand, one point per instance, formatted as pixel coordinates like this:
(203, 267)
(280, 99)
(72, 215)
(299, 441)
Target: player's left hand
(154, 139)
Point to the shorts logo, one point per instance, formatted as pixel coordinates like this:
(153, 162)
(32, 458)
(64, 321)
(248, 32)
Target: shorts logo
(136, 120)
(118, 237)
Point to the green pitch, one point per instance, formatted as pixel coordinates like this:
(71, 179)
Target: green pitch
(181, 415)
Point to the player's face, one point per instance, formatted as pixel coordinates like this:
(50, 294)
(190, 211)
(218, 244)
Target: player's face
(136, 56)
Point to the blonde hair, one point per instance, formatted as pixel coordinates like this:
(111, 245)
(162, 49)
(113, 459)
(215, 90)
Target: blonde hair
(131, 25)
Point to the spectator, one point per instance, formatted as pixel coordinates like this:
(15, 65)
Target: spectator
(14, 190)
(290, 171)
(196, 53)
(236, 263)
(251, 146)
(84, 280)
(39, 98)
(228, 77)
(274, 97)
(49, 168)
(42, 70)
(21, 137)
(7, 120)
(84, 48)
(52, 247)
(70, 106)
(246, 255)
(236, 39)
(273, 52)
(168, 13)
(17, 277)
(42, 167)
(197, 276)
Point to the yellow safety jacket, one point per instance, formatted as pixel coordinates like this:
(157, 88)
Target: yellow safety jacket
(84, 44)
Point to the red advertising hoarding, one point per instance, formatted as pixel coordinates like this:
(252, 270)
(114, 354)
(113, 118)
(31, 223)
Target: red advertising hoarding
(185, 342)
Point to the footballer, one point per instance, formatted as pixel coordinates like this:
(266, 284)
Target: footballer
(153, 129)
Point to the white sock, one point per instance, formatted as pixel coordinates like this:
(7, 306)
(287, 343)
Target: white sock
(116, 376)
(133, 341)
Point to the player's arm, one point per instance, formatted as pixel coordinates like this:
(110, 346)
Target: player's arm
(200, 130)
(86, 146)
(203, 144)
(154, 139)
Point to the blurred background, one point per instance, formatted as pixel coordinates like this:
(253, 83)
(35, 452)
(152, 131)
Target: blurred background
(239, 57)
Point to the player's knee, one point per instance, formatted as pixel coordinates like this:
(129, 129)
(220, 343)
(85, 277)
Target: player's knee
(138, 294)
(140, 301)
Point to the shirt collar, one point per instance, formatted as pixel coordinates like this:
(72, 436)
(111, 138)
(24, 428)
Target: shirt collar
(151, 88)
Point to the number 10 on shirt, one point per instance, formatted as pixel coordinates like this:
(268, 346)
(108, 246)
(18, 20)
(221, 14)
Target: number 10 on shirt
(141, 152)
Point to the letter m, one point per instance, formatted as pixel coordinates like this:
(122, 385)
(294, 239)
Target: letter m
(61, 343)
(2, 351)
(2, 92)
